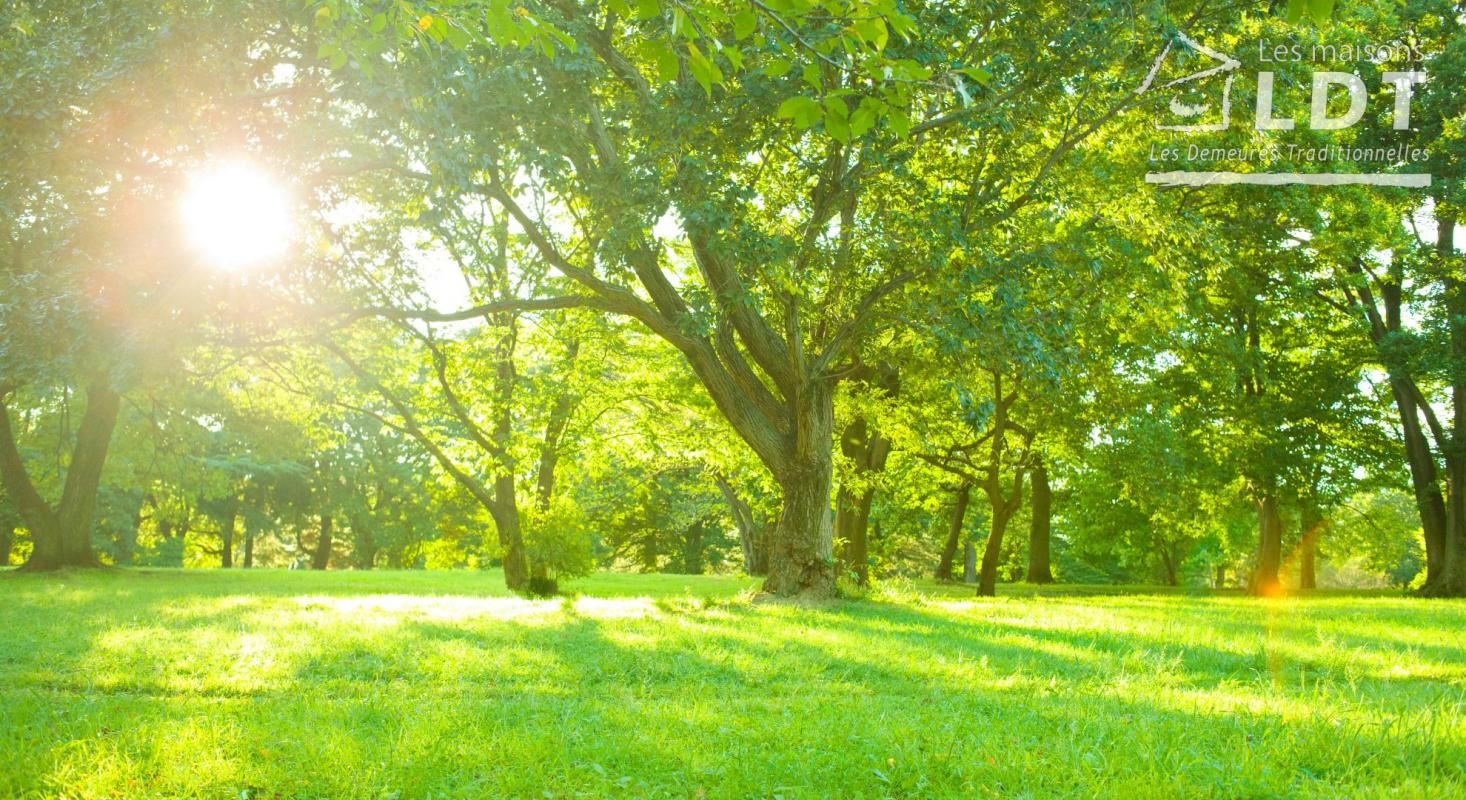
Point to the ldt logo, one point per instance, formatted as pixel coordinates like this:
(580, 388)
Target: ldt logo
(1223, 72)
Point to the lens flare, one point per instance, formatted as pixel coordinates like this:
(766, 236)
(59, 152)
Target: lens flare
(236, 215)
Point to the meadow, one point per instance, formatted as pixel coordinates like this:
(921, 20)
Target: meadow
(381, 685)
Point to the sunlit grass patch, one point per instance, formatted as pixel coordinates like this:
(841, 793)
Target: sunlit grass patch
(342, 685)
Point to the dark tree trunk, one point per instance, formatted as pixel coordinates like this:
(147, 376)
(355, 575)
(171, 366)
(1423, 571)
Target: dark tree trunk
(1452, 579)
(1440, 520)
(7, 541)
(364, 543)
(321, 556)
(1039, 531)
(867, 451)
(1269, 548)
(954, 531)
(1220, 581)
(1424, 480)
(987, 583)
(511, 535)
(1312, 526)
(1168, 563)
(174, 538)
(226, 535)
(801, 558)
(752, 534)
(1307, 570)
(852, 510)
(62, 537)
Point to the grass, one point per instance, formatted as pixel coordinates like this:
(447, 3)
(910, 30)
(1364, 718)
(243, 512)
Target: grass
(437, 685)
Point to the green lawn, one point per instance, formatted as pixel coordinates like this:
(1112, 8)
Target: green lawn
(434, 685)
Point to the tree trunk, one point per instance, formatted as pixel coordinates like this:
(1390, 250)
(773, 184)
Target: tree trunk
(7, 541)
(1424, 480)
(1039, 570)
(1168, 562)
(62, 537)
(801, 558)
(867, 450)
(364, 542)
(321, 556)
(1311, 528)
(954, 532)
(511, 534)
(1220, 581)
(752, 534)
(226, 536)
(1451, 581)
(987, 583)
(84, 475)
(1269, 548)
(969, 562)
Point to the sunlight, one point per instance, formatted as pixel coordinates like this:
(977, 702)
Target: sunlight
(236, 215)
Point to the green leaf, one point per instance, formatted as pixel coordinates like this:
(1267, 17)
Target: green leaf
(704, 71)
(874, 31)
(1322, 10)
(863, 119)
(978, 74)
(744, 23)
(837, 119)
(668, 65)
(804, 111)
(1295, 10)
(778, 67)
(456, 37)
(648, 9)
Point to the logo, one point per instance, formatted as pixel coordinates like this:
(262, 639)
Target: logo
(1201, 102)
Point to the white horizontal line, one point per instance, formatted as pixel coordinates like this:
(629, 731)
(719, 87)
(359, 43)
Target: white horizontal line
(1410, 179)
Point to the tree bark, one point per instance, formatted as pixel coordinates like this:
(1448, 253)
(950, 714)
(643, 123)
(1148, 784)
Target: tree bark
(987, 582)
(954, 531)
(1451, 581)
(226, 535)
(1312, 526)
(1269, 547)
(7, 541)
(321, 556)
(1168, 562)
(62, 537)
(1424, 480)
(969, 562)
(1039, 531)
(752, 534)
(801, 556)
(867, 452)
(364, 543)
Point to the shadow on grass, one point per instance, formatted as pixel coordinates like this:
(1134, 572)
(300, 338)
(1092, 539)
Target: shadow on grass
(207, 689)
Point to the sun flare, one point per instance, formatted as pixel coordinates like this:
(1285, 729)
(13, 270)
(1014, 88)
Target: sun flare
(236, 215)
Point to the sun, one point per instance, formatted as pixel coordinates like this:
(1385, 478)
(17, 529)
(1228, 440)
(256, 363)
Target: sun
(236, 215)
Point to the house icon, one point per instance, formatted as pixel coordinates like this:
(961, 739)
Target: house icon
(1189, 101)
